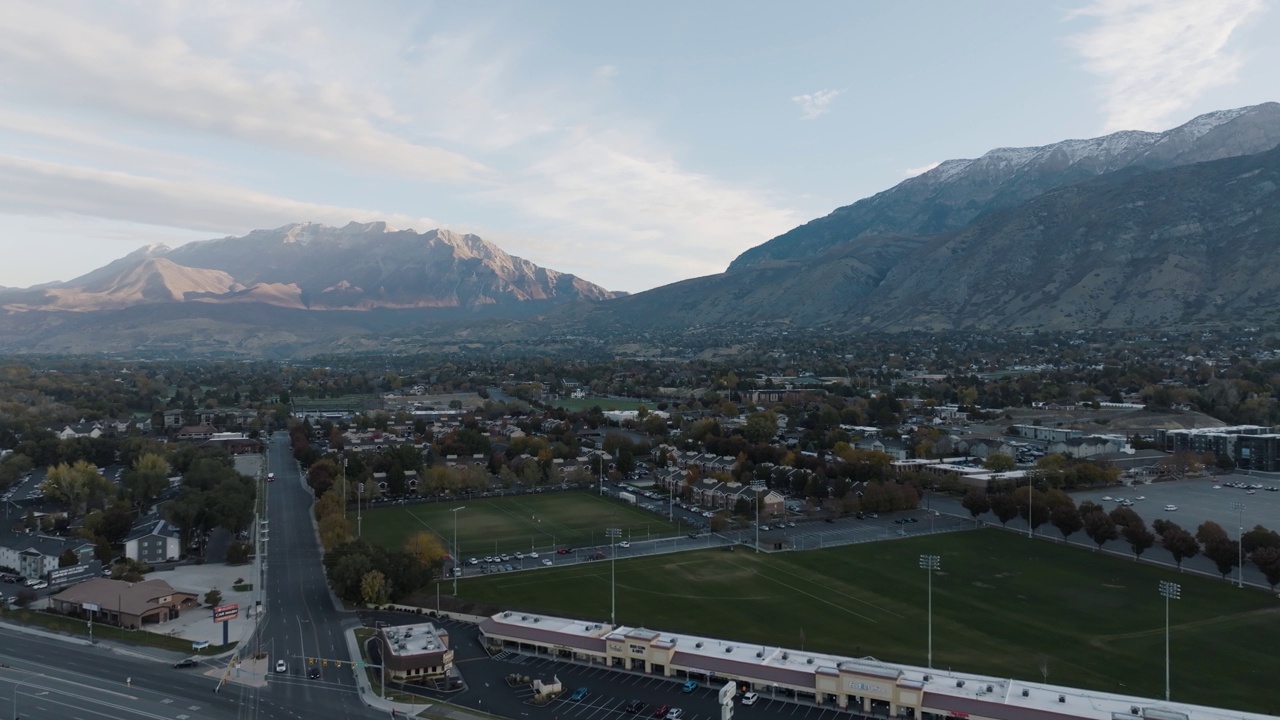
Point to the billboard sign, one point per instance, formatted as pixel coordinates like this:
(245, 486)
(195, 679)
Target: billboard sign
(74, 573)
(223, 613)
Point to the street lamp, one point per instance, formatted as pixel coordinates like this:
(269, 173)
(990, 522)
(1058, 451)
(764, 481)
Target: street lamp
(613, 534)
(1169, 591)
(1031, 523)
(456, 559)
(24, 681)
(756, 485)
(1239, 508)
(930, 564)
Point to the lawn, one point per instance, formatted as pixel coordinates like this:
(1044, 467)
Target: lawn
(1003, 605)
(521, 523)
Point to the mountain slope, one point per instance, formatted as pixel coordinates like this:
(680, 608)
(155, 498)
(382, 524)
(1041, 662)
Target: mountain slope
(956, 192)
(1129, 249)
(356, 267)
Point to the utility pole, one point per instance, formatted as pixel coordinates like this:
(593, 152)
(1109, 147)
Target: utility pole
(930, 564)
(756, 486)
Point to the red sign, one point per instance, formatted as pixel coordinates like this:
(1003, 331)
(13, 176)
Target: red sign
(223, 613)
(955, 714)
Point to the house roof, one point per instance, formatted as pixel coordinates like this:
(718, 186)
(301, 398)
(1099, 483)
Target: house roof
(126, 597)
(47, 545)
(153, 526)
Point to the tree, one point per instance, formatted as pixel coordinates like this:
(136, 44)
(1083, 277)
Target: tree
(1259, 537)
(425, 548)
(1210, 531)
(213, 598)
(1181, 544)
(976, 502)
(1267, 559)
(1140, 539)
(1125, 517)
(148, 478)
(334, 530)
(1224, 552)
(373, 588)
(1100, 528)
(75, 485)
(1032, 505)
(999, 463)
(760, 427)
(116, 524)
(68, 558)
(1066, 518)
(1004, 507)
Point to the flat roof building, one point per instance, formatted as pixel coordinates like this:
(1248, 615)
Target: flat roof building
(863, 685)
(416, 653)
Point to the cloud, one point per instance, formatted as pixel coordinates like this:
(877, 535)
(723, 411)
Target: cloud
(73, 59)
(912, 172)
(606, 72)
(1156, 57)
(37, 187)
(816, 103)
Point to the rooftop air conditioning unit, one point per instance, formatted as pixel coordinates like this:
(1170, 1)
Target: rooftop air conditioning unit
(728, 648)
(1062, 698)
(927, 678)
(959, 683)
(809, 661)
(990, 689)
(1134, 710)
(697, 645)
(1026, 692)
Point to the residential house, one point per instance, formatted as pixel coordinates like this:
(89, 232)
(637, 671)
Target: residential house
(153, 540)
(173, 419)
(196, 432)
(34, 555)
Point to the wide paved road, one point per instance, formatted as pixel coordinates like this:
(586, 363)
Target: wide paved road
(301, 621)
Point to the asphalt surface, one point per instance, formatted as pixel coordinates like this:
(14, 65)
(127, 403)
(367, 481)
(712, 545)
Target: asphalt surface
(302, 625)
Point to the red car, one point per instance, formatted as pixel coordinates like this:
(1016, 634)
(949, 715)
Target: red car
(562, 551)
(662, 711)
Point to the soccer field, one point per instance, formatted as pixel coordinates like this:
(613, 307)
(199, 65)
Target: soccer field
(521, 523)
(1003, 605)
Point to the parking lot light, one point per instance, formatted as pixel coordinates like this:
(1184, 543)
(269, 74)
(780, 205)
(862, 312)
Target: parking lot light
(1239, 508)
(613, 534)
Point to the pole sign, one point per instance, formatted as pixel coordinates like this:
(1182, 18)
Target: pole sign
(223, 613)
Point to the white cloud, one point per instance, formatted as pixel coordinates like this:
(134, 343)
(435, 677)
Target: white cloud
(606, 72)
(816, 103)
(912, 172)
(37, 187)
(1156, 57)
(74, 59)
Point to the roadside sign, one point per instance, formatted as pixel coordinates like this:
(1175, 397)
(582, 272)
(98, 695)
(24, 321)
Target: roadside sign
(223, 613)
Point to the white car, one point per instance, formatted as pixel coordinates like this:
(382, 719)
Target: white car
(1106, 497)
(546, 561)
(1170, 508)
(750, 698)
(624, 544)
(281, 667)
(533, 555)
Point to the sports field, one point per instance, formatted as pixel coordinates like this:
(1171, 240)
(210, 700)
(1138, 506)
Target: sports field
(1003, 605)
(605, 403)
(520, 523)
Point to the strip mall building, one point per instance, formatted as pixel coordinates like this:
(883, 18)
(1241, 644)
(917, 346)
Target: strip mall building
(861, 685)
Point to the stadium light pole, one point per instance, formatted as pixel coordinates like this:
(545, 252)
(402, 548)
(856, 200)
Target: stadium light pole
(1031, 527)
(1239, 508)
(456, 559)
(1169, 591)
(613, 534)
(756, 485)
(930, 563)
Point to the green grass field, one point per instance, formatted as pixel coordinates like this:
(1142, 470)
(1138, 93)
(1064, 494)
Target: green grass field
(521, 523)
(1002, 605)
(303, 403)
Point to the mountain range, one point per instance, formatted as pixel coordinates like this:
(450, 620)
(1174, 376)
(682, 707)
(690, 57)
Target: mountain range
(1133, 229)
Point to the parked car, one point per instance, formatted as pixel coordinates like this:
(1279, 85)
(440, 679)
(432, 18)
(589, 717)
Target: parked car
(662, 711)
(750, 698)
(579, 694)
(675, 714)
(636, 706)
(624, 544)
(546, 561)
(689, 686)
(1170, 508)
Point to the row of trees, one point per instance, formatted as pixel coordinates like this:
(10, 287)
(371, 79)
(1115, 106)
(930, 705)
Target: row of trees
(1260, 545)
(361, 572)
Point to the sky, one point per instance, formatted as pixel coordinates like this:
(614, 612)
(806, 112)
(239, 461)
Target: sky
(631, 144)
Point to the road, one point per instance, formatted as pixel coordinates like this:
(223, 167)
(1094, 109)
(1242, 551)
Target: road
(302, 624)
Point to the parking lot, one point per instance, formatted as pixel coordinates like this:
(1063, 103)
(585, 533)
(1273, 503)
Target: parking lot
(610, 691)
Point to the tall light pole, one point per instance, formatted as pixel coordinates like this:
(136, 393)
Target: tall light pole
(1239, 508)
(24, 681)
(1169, 591)
(755, 486)
(930, 563)
(613, 534)
(456, 559)
(1031, 527)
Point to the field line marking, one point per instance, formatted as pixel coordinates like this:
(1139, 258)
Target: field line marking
(846, 595)
(802, 592)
